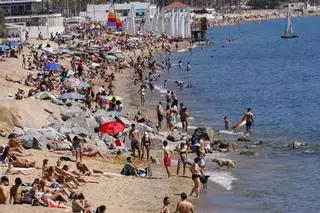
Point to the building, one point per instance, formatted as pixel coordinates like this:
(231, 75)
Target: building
(99, 12)
(29, 13)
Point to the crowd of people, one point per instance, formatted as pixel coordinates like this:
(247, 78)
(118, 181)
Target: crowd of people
(57, 186)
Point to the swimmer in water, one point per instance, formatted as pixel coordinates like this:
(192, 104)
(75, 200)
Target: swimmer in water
(180, 65)
(188, 66)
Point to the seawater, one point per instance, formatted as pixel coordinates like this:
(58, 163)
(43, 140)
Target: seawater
(280, 80)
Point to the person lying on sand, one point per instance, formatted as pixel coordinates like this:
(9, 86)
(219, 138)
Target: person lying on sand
(83, 169)
(22, 163)
(92, 151)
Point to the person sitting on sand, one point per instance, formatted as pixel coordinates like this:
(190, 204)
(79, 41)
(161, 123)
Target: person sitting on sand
(16, 192)
(129, 168)
(4, 195)
(101, 209)
(85, 170)
(140, 118)
(44, 167)
(14, 143)
(92, 151)
(78, 204)
(65, 176)
(54, 194)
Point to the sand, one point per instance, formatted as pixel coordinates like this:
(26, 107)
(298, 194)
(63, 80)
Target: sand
(119, 194)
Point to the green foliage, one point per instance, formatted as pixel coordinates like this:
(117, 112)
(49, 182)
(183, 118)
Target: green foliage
(3, 29)
(264, 4)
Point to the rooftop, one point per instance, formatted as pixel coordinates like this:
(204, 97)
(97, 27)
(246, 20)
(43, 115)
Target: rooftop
(177, 5)
(17, 1)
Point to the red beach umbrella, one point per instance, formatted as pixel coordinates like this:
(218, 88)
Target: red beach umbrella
(111, 128)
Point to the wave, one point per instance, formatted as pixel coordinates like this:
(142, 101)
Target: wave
(161, 89)
(224, 179)
(229, 132)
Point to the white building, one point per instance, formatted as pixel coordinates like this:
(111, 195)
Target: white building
(99, 12)
(28, 13)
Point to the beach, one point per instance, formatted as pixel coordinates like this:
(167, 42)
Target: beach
(119, 194)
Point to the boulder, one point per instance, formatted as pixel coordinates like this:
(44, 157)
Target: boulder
(39, 143)
(247, 152)
(177, 136)
(123, 120)
(18, 131)
(73, 111)
(102, 146)
(77, 130)
(243, 138)
(108, 140)
(49, 133)
(27, 141)
(65, 130)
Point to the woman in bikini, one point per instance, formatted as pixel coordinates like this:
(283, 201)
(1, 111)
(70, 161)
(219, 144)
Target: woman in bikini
(146, 144)
(196, 175)
(183, 157)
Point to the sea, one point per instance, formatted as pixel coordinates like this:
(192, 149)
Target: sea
(280, 80)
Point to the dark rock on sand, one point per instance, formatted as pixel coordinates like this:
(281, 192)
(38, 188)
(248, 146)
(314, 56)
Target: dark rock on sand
(243, 138)
(247, 152)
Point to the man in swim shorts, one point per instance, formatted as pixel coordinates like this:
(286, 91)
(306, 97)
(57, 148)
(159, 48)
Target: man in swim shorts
(134, 136)
(249, 120)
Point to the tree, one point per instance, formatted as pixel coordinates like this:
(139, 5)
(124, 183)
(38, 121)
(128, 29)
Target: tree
(264, 4)
(3, 29)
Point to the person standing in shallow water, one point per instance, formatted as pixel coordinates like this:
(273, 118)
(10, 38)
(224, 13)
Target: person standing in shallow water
(226, 123)
(248, 117)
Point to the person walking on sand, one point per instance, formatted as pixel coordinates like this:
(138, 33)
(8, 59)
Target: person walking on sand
(166, 157)
(184, 206)
(248, 117)
(160, 112)
(166, 203)
(142, 92)
(134, 136)
(23, 61)
(196, 175)
(4, 195)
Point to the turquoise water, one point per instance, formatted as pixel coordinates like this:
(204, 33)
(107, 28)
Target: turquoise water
(280, 81)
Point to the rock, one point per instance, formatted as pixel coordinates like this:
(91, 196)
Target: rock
(49, 133)
(247, 152)
(66, 145)
(176, 136)
(123, 120)
(224, 162)
(102, 146)
(108, 140)
(27, 141)
(243, 138)
(65, 130)
(77, 130)
(299, 144)
(39, 143)
(18, 131)
(73, 111)
(55, 125)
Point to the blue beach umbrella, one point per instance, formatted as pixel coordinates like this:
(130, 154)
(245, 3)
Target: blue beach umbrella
(52, 66)
(4, 47)
(71, 96)
(14, 43)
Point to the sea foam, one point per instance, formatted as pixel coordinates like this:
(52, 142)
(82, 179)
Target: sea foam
(224, 179)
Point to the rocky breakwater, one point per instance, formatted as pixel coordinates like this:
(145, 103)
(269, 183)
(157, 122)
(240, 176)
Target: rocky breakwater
(76, 119)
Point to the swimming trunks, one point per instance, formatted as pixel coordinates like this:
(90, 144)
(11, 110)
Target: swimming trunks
(248, 123)
(167, 161)
(195, 176)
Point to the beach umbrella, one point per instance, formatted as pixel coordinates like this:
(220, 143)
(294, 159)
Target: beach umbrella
(83, 85)
(14, 43)
(111, 128)
(4, 47)
(94, 65)
(47, 50)
(110, 57)
(71, 96)
(118, 98)
(52, 66)
(45, 96)
(71, 82)
(64, 51)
